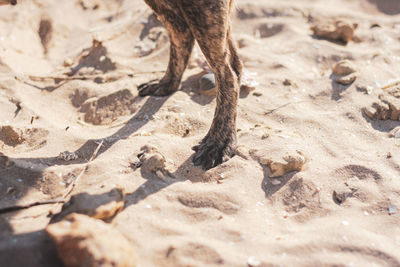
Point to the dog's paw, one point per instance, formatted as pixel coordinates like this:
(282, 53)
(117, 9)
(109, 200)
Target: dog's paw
(157, 88)
(210, 153)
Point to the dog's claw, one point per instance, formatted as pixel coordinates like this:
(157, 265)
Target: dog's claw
(197, 160)
(210, 154)
(156, 88)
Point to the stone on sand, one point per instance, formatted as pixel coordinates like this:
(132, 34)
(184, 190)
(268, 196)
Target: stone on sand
(387, 107)
(344, 72)
(208, 84)
(87, 242)
(341, 193)
(395, 133)
(152, 162)
(282, 162)
(68, 156)
(335, 30)
(101, 206)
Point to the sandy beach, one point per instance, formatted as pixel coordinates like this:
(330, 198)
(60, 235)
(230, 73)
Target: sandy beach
(325, 108)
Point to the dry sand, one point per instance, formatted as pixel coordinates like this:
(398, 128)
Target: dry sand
(342, 209)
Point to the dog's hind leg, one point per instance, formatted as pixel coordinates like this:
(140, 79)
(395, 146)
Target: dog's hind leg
(210, 24)
(181, 45)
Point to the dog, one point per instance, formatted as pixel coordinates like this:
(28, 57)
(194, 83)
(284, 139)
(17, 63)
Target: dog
(208, 23)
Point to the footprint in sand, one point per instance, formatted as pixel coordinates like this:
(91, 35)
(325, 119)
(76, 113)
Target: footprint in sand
(106, 109)
(191, 254)
(358, 171)
(23, 138)
(183, 126)
(361, 187)
(80, 95)
(267, 30)
(196, 216)
(365, 255)
(301, 198)
(251, 11)
(211, 200)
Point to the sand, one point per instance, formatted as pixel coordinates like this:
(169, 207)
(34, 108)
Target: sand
(68, 77)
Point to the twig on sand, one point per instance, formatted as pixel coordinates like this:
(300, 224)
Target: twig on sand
(283, 106)
(391, 84)
(87, 77)
(71, 78)
(73, 184)
(27, 206)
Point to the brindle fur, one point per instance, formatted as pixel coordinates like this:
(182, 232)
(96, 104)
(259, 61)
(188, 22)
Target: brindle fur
(8, 2)
(207, 22)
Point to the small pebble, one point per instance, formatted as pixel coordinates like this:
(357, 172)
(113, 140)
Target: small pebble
(207, 84)
(243, 43)
(258, 204)
(10, 190)
(253, 262)
(344, 72)
(275, 182)
(68, 63)
(68, 156)
(367, 89)
(70, 179)
(392, 209)
(344, 67)
(395, 133)
(287, 82)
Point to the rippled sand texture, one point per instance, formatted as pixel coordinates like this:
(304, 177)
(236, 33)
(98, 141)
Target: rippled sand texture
(68, 77)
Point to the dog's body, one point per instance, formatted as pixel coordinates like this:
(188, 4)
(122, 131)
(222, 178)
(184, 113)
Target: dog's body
(207, 22)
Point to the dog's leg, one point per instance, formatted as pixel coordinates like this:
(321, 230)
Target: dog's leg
(236, 63)
(210, 24)
(181, 45)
